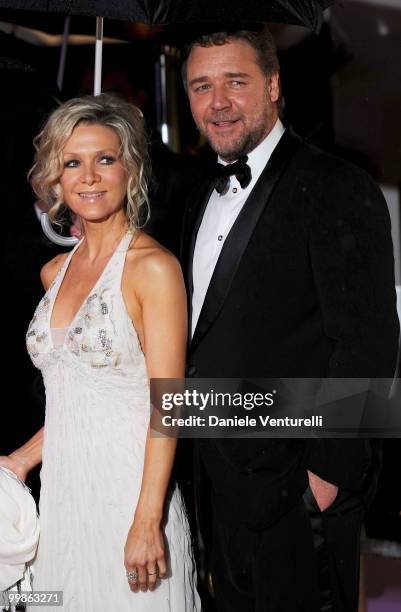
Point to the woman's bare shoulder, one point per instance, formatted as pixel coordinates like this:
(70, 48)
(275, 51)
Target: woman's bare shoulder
(50, 269)
(150, 262)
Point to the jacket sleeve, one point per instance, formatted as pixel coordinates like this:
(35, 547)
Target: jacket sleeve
(352, 260)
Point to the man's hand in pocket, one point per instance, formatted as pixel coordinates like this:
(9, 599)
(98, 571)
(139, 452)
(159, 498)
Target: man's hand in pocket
(324, 492)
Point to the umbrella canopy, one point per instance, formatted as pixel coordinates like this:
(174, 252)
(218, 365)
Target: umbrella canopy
(306, 13)
(54, 23)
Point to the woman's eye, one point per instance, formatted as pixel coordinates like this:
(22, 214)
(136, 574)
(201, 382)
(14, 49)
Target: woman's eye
(107, 160)
(71, 163)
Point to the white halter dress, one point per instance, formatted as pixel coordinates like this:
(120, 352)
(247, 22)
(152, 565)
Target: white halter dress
(97, 415)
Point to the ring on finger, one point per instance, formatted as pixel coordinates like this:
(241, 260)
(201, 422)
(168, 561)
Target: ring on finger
(132, 576)
(153, 573)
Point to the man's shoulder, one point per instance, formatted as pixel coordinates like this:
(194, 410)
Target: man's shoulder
(323, 166)
(333, 188)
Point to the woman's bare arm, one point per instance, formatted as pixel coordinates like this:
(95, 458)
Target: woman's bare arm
(23, 459)
(161, 294)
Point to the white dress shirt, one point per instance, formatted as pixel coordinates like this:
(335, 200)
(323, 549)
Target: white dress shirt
(220, 215)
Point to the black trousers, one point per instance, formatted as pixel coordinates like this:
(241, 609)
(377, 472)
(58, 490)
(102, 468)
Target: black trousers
(308, 561)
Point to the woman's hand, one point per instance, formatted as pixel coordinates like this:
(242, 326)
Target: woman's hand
(144, 553)
(15, 464)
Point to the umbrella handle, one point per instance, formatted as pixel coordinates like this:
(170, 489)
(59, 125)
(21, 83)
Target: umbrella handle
(97, 86)
(64, 241)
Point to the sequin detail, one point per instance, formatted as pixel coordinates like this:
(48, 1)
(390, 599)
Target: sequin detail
(94, 334)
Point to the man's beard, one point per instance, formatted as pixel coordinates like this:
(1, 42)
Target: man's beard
(242, 146)
(245, 143)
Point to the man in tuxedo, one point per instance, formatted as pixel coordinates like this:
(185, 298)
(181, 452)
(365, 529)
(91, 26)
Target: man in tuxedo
(289, 266)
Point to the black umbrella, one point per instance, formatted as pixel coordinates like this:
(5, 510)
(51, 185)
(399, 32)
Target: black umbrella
(306, 13)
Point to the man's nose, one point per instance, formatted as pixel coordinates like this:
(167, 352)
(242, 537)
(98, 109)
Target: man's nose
(220, 99)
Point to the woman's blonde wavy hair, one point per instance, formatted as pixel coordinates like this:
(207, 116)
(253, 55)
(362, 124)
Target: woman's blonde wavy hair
(107, 110)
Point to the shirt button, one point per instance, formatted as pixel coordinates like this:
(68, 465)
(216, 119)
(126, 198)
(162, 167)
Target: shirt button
(235, 190)
(220, 237)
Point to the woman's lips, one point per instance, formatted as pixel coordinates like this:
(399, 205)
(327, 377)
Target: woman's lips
(91, 195)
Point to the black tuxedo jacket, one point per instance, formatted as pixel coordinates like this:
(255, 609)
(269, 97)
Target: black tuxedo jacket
(304, 287)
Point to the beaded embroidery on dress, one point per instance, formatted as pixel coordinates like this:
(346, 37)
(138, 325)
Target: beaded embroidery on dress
(97, 415)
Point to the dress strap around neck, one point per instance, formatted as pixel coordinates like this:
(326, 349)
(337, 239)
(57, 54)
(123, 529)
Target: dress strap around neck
(127, 239)
(70, 254)
(121, 253)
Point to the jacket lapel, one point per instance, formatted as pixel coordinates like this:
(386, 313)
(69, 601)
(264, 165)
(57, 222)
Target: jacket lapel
(239, 236)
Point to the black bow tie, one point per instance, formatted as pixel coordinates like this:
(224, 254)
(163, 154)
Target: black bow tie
(241, 170)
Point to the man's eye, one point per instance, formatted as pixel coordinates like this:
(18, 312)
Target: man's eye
(71, 163)
(202, 88)
(237, 83)
(107, 160)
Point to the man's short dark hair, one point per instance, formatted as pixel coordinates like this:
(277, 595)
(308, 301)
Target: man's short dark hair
(259, 38)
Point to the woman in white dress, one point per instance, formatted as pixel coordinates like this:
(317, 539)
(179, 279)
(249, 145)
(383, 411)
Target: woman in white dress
(113, 526)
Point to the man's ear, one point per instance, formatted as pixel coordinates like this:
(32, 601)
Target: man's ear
(273, 86)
